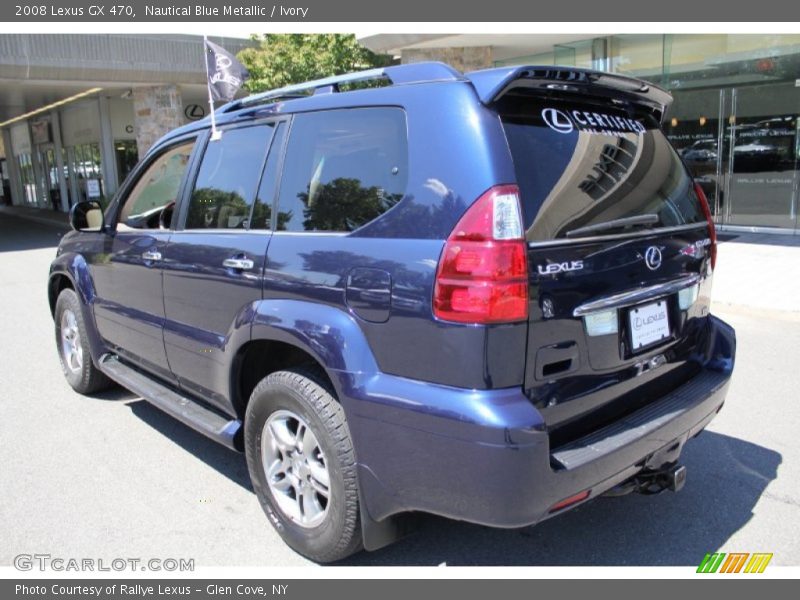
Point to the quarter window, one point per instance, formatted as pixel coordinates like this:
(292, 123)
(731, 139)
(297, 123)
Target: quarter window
(343, 168)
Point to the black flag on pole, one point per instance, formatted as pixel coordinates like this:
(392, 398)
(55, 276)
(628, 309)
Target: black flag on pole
(225, 74)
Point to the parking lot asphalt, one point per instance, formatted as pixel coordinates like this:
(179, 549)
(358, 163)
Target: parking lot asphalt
(111, 476)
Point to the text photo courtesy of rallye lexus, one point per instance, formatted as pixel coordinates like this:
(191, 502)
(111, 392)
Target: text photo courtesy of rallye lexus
(483, 296)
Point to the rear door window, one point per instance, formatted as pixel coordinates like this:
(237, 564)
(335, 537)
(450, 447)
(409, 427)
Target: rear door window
(343, 168)
(582, 164)
(228, 178)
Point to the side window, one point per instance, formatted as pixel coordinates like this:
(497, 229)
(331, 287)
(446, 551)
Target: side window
(228, 177)
(156, 190)
(343, 168)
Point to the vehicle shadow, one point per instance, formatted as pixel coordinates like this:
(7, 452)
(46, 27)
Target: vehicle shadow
(115, 394)
(229, 463)
(726, 477)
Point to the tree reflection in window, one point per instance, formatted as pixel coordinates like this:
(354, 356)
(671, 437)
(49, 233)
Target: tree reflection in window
(343, 205)
(343, 168)
(262, 217)
(228, 179)
(212, 208)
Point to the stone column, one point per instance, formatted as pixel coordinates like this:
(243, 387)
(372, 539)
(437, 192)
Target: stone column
(469, 58)
(156, 111)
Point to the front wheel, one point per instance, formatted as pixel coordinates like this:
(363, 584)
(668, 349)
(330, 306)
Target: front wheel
(73, 346)
(302, 466)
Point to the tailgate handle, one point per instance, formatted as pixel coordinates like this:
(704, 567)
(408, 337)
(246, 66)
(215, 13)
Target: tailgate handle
(557, 360)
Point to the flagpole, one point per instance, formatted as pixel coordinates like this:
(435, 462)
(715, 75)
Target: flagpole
(215, 135)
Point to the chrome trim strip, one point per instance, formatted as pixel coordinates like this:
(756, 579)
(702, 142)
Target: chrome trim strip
(617, 236)
(218, 231)
(223, 231)
(636, 296)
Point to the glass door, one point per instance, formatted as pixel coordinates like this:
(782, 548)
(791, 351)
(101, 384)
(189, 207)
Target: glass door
(761, 156)
(694, 125)
(50, 189)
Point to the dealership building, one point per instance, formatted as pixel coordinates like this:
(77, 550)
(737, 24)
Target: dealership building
(76, 111)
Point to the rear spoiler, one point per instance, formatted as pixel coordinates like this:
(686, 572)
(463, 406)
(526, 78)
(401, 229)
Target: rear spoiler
(492, 84)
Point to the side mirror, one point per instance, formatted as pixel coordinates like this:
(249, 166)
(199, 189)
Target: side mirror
(87, 216)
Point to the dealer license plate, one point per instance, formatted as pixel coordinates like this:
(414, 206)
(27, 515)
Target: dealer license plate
(649, 324)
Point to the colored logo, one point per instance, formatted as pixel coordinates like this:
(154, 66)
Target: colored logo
(734, 562)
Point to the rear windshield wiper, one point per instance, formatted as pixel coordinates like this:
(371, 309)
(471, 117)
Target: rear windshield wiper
(647, 219)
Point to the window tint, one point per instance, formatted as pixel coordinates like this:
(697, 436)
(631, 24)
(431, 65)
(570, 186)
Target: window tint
(262, 211)
(226, 182)
(156, 190)
(580, 164)
(342, 169)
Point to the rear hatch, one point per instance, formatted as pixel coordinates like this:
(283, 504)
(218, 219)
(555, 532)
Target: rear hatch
(619, 256)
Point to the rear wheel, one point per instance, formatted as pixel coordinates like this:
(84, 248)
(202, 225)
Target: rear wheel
(73, 346)
(302, 466)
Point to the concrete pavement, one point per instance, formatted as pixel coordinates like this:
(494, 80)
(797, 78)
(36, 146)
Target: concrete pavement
(759, 271)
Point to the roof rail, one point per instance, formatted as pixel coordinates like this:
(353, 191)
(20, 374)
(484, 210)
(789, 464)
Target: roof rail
(399, 74)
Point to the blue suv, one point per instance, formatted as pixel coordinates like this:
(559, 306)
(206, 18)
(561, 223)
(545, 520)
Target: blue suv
(411, 290)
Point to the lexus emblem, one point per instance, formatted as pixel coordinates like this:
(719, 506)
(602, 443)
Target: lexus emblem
(557, 120)
(652, 258)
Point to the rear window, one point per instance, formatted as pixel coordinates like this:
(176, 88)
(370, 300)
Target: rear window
(581, 164)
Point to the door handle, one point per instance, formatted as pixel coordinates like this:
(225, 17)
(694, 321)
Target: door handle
(151, 255)
(241, 264)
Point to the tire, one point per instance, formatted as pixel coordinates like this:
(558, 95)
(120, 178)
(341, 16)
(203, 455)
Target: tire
(284, 406)
(72, 343)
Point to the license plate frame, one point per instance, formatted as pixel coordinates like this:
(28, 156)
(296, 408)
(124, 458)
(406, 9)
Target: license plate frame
(648, 325)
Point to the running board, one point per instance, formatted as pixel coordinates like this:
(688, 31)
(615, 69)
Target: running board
(204, 420)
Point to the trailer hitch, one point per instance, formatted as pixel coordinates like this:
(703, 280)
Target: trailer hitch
(652, 481)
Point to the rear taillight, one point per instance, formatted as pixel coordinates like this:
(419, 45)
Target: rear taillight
(483, 271)
(712, 230)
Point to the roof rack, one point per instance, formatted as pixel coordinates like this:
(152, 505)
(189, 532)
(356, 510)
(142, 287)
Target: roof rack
(399, 74)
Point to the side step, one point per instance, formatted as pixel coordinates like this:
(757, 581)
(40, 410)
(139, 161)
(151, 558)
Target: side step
(208, 422)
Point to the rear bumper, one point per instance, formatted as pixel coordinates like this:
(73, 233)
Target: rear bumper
(484, 456)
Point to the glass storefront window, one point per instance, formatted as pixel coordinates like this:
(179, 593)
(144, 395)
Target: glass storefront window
(638, 56)
(27, 178)
(86, 167)
(544, 59)
(126, 153)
